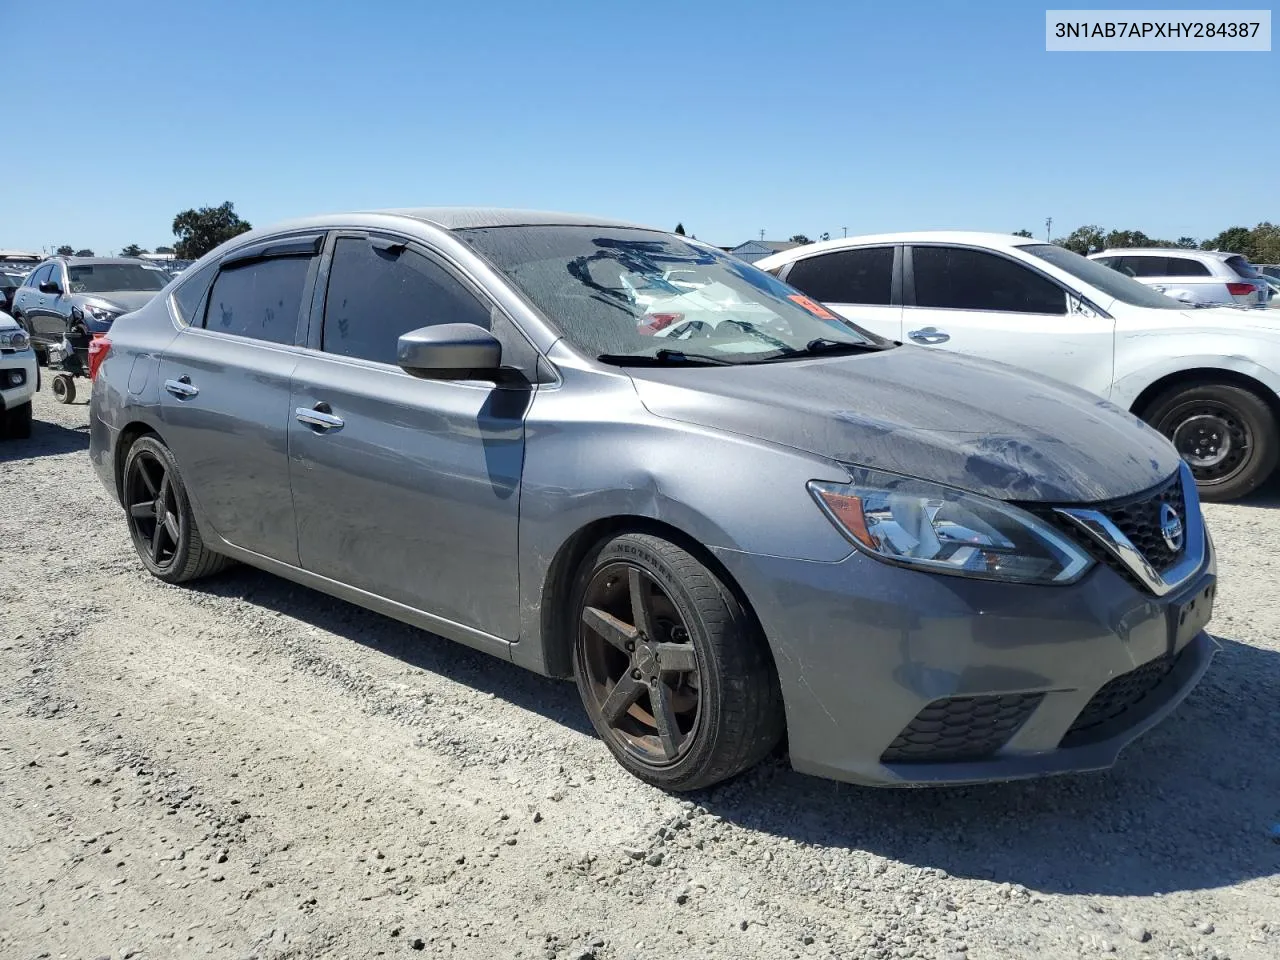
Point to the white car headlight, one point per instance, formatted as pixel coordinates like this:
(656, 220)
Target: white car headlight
(99, 313)
(943, 530)
(14, 340)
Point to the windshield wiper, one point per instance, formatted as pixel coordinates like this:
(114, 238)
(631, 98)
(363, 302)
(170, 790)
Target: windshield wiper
(663, 358)
(824, 346)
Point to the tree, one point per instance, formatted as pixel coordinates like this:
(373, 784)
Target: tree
(66, 250)
(199, 231)
(800, 239)
(1266, 243)
(680, 229)
(86, 252)
(1187, 243)
(1128, 238)
(163, 250)
(1023, 233)
(1232, 240)
(132, 250)
(825, 236)
(1084, 240)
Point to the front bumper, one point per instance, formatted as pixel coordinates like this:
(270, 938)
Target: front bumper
(21, 363)
(893, 677)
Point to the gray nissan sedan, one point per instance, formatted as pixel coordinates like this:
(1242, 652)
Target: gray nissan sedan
(729, 514)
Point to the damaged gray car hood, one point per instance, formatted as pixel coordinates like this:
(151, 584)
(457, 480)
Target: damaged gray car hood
(984, 427)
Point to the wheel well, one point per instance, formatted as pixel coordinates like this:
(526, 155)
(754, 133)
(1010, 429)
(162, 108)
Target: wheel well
(126, 440)
(1204, 375)
(557, 624)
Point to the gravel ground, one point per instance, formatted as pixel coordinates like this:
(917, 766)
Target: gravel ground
(244, 768)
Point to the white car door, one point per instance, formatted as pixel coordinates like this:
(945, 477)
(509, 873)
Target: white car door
(855, 282)
(990, 305)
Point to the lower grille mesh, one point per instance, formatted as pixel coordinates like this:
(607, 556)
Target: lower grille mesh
(1115, 698)
(961, 728)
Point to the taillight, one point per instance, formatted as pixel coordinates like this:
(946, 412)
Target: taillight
(1240, 289)
(99, 347)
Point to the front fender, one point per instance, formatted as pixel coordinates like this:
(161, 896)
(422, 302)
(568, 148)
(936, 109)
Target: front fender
(1130, 384)
(594, 453)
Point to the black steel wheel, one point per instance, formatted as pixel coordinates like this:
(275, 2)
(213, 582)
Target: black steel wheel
(674, 674)
(1226, 434)
(159, 516)
(64, 388)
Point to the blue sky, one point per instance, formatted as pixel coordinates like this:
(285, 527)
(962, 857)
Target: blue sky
(731, 117)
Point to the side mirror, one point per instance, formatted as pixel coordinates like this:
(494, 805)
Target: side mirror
(450, 351)
(50, 286)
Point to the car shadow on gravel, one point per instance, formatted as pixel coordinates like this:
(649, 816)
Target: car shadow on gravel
(556, 700)
(46, 440)
(1190, 806)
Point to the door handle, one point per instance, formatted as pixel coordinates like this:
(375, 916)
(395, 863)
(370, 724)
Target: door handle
(929, 335)
(319, 417)
(181, 388)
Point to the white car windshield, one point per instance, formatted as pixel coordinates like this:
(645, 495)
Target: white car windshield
(624, 292)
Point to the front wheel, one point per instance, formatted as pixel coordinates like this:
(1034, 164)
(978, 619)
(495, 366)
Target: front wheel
(1226, 434)
(159, 515)
(673, 672)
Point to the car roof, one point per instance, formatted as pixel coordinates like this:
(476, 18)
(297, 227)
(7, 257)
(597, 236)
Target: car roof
(975, 238)
(461, 218)
(1163, 252)
(95, 261)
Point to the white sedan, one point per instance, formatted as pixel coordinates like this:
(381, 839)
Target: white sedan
(1209, 378)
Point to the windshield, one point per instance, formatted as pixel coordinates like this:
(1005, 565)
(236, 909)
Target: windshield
(105, 277)
(1107, 279)
(615, 291)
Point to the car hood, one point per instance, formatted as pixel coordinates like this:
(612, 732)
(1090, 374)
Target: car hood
(123, 301)
(988, 428)
(8, 323)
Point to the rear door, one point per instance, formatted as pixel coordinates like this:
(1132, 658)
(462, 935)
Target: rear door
(225, 393)
(862, 284)
(991, 305)
(407, 488)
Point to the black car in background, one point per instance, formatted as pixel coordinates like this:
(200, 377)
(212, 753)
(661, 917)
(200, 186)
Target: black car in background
(10, 281)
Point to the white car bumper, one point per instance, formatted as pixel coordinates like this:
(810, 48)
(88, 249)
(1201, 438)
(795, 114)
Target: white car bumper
(17, 378)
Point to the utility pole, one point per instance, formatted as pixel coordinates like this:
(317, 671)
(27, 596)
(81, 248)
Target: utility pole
(845, 230)
(1048, 226)
(761, 233)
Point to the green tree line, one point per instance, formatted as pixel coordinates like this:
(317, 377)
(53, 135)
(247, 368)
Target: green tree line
(1258, 245)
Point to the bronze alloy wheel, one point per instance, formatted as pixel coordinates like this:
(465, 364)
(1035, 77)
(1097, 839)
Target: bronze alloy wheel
(673, 669)
(640, 665)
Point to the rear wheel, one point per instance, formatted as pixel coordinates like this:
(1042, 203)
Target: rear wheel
(159, 516)
(1226, 434)
(674, 674)
(16, 423)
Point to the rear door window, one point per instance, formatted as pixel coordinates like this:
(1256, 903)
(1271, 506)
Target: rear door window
(379, 290)
(39, 276)
(861, 276)
(260, 299)
(1185, 267)
(1143, 266)
(962, 279)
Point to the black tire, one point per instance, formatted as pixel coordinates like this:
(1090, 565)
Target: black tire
(171, 548)
(738, 718)
(1227, 434)
(64, 388)
(16, 423)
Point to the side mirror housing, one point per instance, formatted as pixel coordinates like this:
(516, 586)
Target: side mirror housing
(450, 351)
(50, 286)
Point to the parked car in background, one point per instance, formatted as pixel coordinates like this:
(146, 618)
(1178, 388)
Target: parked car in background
(1192, 276)
(66, 300)
(923, 568)
(1208, 379)
(1274, 284)
(10, 281)
(18, 379)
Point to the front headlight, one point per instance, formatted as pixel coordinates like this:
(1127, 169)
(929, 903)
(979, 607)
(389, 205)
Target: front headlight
(944, 530)
(14, 340)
